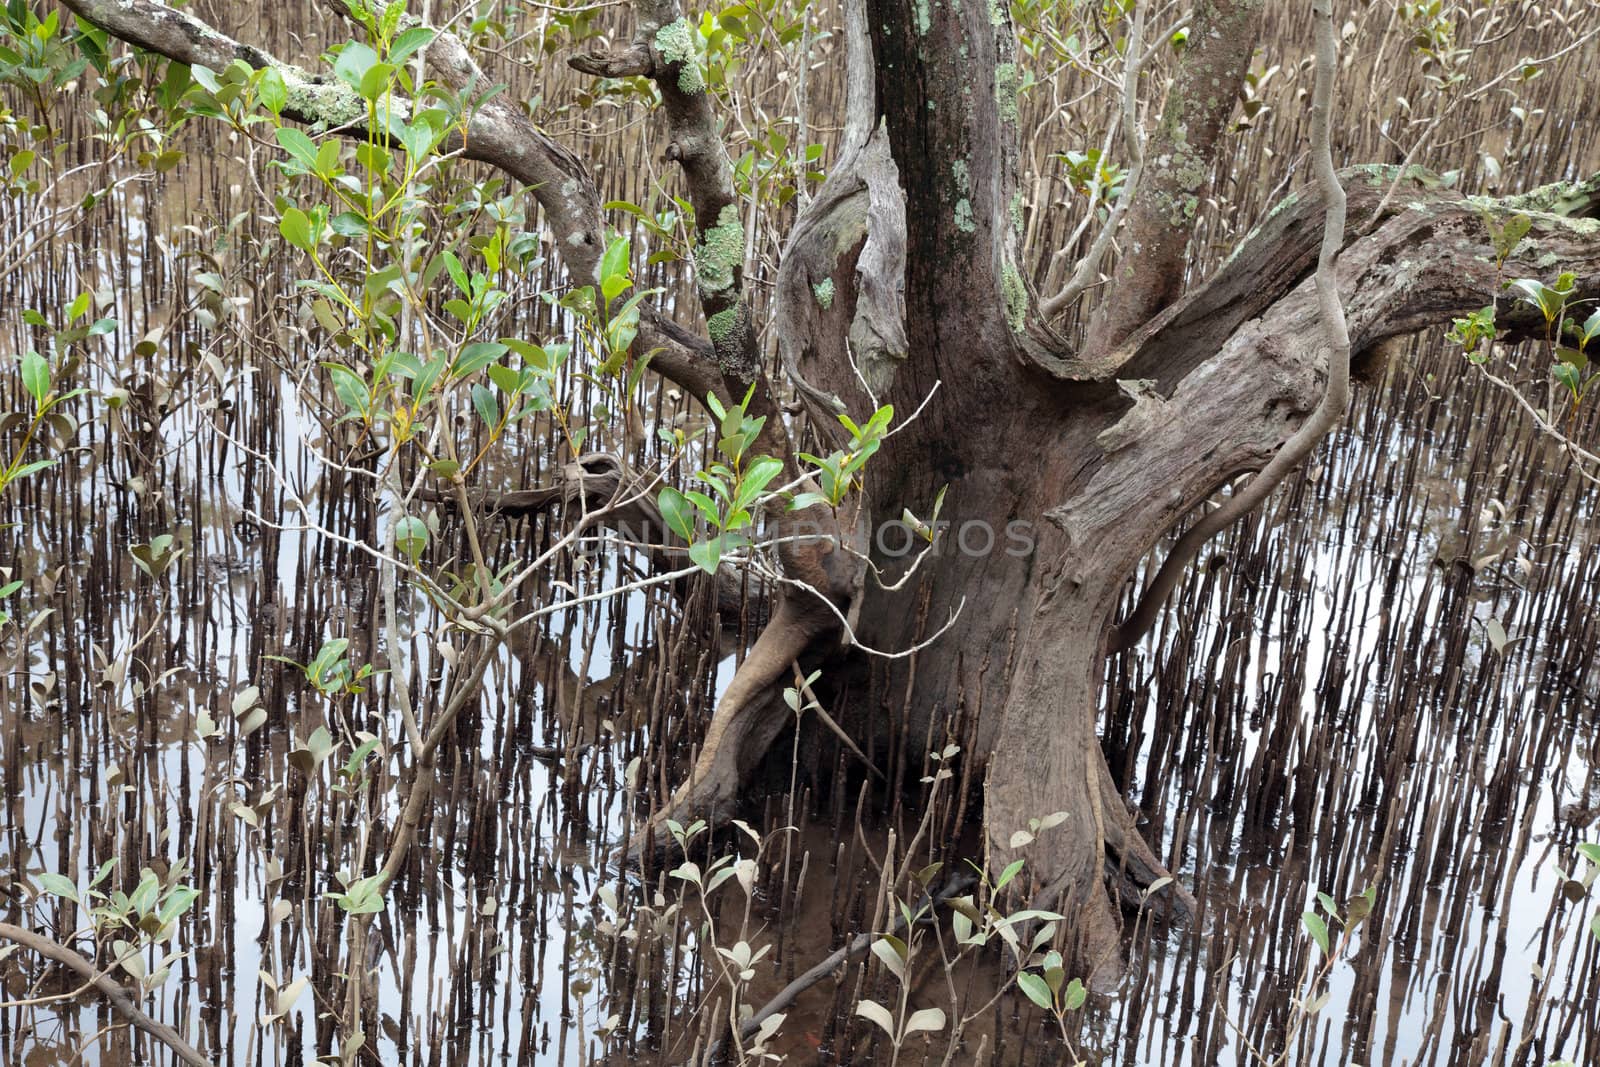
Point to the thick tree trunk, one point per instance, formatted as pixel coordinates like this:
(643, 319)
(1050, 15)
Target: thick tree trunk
(1096, 472)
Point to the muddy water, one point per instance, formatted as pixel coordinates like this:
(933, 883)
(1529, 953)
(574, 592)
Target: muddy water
(1324, 710)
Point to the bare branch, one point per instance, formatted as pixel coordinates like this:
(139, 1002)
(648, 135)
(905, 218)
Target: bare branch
(1335, 337)
(107, 987)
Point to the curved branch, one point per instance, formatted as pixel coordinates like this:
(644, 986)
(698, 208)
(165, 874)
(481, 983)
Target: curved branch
(664, 49)
(107, 987)
(1335, 336)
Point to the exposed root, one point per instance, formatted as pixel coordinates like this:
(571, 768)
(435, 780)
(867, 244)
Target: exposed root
(1132, 866)
(743, 725)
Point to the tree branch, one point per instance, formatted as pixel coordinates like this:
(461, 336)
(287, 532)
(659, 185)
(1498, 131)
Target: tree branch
(1177, 174)
(665, 49)
(497, 133)
(107, 987)
(1335, 337)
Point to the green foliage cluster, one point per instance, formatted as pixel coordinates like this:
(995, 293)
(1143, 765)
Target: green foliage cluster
(1569, 328)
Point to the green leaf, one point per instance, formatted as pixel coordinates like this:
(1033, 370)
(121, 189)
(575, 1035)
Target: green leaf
(298, 145)
(411, 536)
(178, 900)
(534, 355)
(1590, 328)
(58, 886)
(271, 90)
(327, 163)
(1036, 990)
(707, 554)
(409, 42)
(505, 379)
(355, 59)
(1569, 376)
(33, 467)
(614, 268)
(487, 407)
(1009, 873)
(296, 229)
(358, 757)
(476, 356)
(806, 500)
(375, 82)
(348, 224)
(205, 76)
(458, 273)
(1549, 301)
(676, 511)
(365, 896)
(1317, 928)
(36, 376)
(350, 388)
(1075, 995)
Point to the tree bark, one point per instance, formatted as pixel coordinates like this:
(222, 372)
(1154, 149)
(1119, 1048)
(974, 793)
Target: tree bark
(1178, 161)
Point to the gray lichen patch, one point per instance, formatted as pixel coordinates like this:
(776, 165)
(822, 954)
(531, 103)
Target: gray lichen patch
(721, 325)
(963, 176)
(1005, 91)
(675, 41)
(324, 105)
(720, 252)
(1279, 208)
(1551, 205)
(964, 218)
(1388, 173)
(823, 291)
(1015, 292)
(1180, 174)
(726, 329)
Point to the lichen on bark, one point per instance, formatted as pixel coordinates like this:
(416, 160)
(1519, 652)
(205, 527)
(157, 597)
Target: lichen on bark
(675, 41)
(720, 252)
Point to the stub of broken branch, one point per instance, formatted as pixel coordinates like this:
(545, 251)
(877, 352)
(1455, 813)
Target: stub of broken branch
(632, 62)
